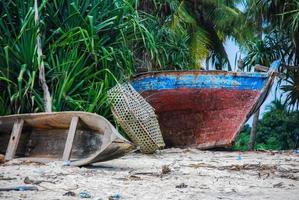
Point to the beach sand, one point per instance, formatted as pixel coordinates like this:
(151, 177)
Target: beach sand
(168, 174)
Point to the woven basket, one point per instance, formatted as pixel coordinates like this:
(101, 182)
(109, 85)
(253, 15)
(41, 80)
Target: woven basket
(136, 117)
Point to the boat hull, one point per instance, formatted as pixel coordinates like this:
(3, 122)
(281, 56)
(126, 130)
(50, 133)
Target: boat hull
(44, 136)
(203, 109)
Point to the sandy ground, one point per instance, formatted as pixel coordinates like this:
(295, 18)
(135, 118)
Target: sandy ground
(169, 174)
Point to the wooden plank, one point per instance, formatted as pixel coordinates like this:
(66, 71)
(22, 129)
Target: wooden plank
(260, 68)
(70, 139)
(290, 67)
(14, 139)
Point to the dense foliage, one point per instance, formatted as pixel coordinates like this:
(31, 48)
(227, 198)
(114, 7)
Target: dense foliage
(275, 28)
(88, 46)
(207, 23)
(278, 129)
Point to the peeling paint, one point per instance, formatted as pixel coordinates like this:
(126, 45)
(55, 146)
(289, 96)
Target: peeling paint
(205, 109)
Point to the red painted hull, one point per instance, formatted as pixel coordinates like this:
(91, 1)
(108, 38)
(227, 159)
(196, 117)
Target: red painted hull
(203, 118)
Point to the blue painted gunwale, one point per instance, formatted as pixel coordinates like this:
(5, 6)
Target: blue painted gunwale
(199, 79)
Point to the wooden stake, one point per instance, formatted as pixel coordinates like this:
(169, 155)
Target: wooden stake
(253, 130)
(70, 139)
(14, 139)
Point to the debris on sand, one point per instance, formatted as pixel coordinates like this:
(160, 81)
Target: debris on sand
(4, 178)
(165, 170)
(258, 167)
(198, 165)
(69, 193)
(27, 180)
(278, 185)
(2, 159)
(115, 197)
(182, 185)
(85, 195)
(20, 188)
(135, 178)
(172, 174)
(24, 162)
(239, 157)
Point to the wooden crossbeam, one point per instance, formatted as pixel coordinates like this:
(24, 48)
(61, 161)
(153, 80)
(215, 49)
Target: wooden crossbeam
(14, 139)
(260, 68)
(70, 139)
(290, 67)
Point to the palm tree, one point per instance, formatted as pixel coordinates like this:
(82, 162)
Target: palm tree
(218, 20)
(279, 17)
(208, 24)
(277, 20)
(281, 41)
(291, 88)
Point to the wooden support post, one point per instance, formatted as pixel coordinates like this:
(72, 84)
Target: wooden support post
(253, 130)
(14, 139)
(70, 139)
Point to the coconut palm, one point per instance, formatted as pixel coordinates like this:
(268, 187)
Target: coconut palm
(277, 32)
(217, 20)
(279, 17)
(281, 37)
(291, 88)
(208, 24)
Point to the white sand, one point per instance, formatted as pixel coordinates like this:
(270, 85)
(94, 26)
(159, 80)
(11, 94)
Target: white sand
(194, 174)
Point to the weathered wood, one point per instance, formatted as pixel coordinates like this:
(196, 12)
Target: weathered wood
(14, 139)
(70, 139)
(251, 143)
(44, 136)
(253, 130)
(291, 67)
(51, 143)
(187, 102)
(260, 68)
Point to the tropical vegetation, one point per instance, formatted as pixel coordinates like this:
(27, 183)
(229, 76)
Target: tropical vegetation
(89, 45)
(278, 129)
(276, 36)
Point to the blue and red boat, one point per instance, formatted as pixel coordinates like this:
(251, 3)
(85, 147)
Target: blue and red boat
(203, 109)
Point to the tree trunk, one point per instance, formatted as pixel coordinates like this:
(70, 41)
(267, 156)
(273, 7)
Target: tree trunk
(42, 76)
(253, 130)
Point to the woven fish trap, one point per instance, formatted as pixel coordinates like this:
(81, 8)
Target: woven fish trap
(136, 117)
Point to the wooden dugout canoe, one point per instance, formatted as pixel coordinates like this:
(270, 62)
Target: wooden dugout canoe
(80, 137)
(203, 109)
